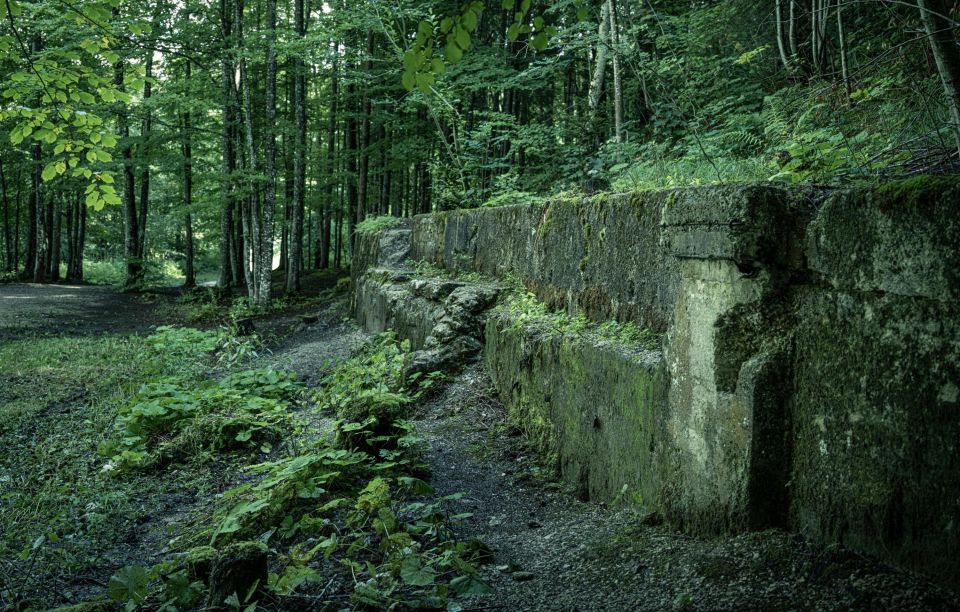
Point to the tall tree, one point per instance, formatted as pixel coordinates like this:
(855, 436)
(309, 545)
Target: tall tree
(943, 44)
(131, 235)
(295, 263)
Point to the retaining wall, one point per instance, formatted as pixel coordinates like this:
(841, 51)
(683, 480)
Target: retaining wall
(809, 371)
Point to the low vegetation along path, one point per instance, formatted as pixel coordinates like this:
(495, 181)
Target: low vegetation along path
(541, 547)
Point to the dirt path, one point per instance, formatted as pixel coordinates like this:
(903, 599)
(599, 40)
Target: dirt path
(553, 552)
(28, 309)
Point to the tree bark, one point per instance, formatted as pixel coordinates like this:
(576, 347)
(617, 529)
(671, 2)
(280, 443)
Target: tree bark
(363, 179)
(55, 237)
(228, 156)
(270, 153)
(943, 44)
(295, 247)
(7, 242)
(134, 266)
(38, 223)
(144, 154)
(842, 39)
(782, 43)
(188, 271)
(617, 77)
(331, 164)
(351, 150)
(599, 69)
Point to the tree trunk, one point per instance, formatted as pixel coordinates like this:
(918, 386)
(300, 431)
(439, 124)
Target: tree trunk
(251, 206)
(818, 34)
(782, 42)
(270, 153)
(943, 43)
(16, 225)
(55, 236)
(7, 242)
(599, 69)
(363, 179)
(617, 77)
(351, 149)
(295, 247)
(188, 272)
(228, 159)
(842, 39)
(331, 166)
(31, 255)
(145, 133)
(38, 223)
(134, 266)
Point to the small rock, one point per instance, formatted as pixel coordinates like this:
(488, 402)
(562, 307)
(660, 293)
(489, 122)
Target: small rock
(238, 568)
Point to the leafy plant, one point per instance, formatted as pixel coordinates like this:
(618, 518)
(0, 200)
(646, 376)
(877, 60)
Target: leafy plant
(374, 225)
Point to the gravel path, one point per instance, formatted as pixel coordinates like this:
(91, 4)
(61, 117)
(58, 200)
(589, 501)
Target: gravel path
(553, 552)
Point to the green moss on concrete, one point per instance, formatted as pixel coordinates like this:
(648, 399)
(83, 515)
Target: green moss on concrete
(913, 192)
(590, 408)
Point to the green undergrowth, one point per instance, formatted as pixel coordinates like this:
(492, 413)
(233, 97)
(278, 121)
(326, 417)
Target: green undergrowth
(350, 504)
(525, 310)
(64, 509)
(373, 225)
(215, 305)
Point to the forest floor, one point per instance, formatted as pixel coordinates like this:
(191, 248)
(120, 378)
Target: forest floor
(551, 551)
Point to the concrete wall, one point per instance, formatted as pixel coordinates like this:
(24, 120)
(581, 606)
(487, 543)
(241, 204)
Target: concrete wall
(809, 375)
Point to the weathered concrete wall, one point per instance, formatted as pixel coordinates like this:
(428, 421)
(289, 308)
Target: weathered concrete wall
(810, 367)
(602, 257)
(593, 409)
(876, 404)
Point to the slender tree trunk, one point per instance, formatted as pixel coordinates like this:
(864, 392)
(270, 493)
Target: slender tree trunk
(943, 43)
(81, 237)
(842, 39)
(363, 179)
(270, 151)
(71, 214)
(331, 165)
(299, 156)
(145, 133)
(599, 69)
(188, 272)
(251, 210)
(818, 34)
(16, 226)
(134, 266)
(7, 241)
(792, 33)
(225, 278)
(55, 237)
(617, 77)
(39, 224)
(351, 151)
(782, 42)
(77, 235)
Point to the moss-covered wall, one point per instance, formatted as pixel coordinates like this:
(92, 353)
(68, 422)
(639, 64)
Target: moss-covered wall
(601, 257)
(593, 409)
(809, 375)
(876, 409)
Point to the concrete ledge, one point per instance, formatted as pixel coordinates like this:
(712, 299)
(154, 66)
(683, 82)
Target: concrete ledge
(594, 409)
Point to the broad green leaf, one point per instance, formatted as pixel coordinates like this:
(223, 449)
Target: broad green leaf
(129, 584)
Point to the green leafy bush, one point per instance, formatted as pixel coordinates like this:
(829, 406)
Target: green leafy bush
(175, 418)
